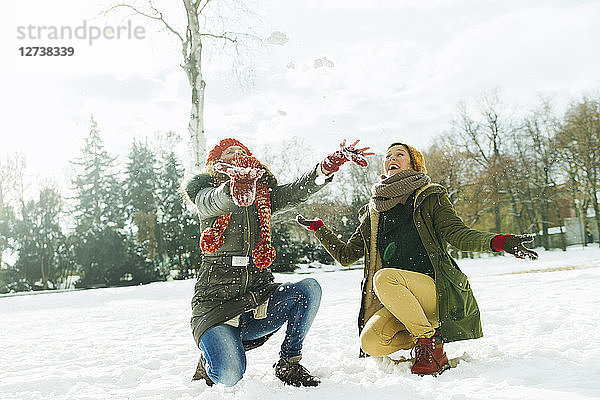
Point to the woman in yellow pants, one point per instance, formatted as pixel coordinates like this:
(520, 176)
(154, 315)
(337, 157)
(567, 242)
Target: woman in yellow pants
(414, 296)
(407, 296)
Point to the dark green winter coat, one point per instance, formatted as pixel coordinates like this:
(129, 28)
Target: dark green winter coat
(223, 291)
(437, 225)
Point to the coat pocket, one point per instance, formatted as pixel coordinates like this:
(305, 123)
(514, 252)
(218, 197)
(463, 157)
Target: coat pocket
(456, 300)
(456, 278)
(221, 283)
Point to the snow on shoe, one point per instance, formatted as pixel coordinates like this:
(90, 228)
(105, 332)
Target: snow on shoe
(293, 373)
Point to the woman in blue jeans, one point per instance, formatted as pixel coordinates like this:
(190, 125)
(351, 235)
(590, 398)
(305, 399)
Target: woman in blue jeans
(294, 303)
(237, 305)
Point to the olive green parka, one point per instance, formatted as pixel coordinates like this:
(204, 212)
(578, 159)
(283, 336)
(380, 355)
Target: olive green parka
(438, 225)
(224, 291)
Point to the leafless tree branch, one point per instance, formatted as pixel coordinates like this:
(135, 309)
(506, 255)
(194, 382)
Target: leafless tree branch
(157, 17)
(222, 36)
(197, 3)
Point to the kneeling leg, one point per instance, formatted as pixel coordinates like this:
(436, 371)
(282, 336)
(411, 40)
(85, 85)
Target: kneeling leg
(224, 354)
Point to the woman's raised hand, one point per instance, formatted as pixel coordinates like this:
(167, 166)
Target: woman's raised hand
(240, 173)
(358, 156)
(335, 160)
(243, 182)
(312, 224)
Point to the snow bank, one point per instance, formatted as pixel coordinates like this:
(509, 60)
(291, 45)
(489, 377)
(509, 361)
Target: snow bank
(540, 323)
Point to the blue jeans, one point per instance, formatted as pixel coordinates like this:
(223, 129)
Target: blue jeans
(294, 303)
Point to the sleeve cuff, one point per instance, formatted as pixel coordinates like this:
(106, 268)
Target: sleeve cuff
(498, 242)
(322, 177)
(315, 225)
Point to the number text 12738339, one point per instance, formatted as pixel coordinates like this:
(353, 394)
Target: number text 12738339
(46, 51)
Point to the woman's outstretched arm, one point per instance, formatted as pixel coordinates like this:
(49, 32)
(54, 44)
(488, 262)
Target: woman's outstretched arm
(344, 253)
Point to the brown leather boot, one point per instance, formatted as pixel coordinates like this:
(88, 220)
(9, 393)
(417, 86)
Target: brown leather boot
(291, 372)
(201, 372)
(430, 357)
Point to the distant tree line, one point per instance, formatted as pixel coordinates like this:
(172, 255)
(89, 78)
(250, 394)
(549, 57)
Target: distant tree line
(127, 224)
(506, 171)
(522, 172)
(119, 227)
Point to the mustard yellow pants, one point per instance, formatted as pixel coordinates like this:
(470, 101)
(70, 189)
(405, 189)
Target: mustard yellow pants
(410, 312)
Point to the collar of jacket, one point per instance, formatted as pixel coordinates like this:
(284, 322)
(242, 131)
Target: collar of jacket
(427, 190)
(420, 195)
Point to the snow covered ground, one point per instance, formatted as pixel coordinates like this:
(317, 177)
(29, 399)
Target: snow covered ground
(541, 341)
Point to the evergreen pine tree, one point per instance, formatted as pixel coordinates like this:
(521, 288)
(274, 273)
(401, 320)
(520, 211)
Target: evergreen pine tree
(99, 245)
(290, 253)
(39, 237)
(6, 219)
(11, 278)
(11, 175)
(140, 191)
(97, 187)
(178, 229)
(141, 179)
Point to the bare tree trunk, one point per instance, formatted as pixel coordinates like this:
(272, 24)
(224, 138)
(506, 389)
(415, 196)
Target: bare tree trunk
(561, 223)
(196, 125)
(191, 49)
(497, 218)
(545, 238)
(1, 214)
(574, 203)
(43, 272)
(545, 208)
(517, 215)
(192, 53)
(533, 218)
(597, 214)
(583, 215)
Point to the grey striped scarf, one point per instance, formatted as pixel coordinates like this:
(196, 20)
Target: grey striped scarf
(397, 188)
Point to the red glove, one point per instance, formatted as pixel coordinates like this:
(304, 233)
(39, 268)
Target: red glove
(312, 224)
(335, 160)
(513, 244)
(243, 182)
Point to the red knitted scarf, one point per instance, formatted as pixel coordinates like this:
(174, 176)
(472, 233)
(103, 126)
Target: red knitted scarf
(212, 238)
